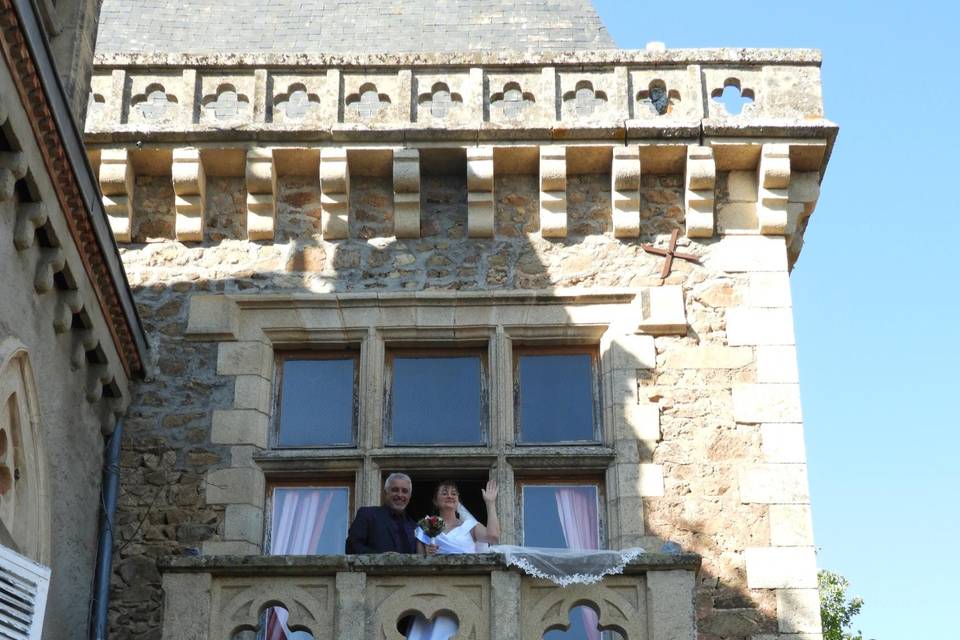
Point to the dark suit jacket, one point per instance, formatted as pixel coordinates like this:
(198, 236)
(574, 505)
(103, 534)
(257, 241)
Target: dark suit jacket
(374, 530)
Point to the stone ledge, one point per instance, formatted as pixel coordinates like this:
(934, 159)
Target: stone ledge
(386, 564)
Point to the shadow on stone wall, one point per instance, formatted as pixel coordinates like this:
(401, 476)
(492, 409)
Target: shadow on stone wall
(167, 448)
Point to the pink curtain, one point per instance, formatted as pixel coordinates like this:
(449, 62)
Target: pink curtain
(577, 509)
(298, 519)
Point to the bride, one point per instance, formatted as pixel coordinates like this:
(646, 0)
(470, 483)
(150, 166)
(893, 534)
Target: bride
(461, 533)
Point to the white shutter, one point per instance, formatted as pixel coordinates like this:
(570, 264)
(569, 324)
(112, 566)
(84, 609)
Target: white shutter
(23, 596)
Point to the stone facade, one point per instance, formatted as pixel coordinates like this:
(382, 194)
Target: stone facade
(540, 216)
(69, 344)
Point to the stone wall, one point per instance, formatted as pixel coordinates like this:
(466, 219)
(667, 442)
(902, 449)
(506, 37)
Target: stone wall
(699, 485)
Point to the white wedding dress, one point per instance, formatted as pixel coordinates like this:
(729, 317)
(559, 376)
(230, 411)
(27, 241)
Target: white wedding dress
(457, 540)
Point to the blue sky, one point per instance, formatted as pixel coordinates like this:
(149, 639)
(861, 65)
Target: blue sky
(875, 290)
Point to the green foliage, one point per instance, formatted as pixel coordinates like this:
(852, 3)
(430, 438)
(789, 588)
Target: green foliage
(836, 611)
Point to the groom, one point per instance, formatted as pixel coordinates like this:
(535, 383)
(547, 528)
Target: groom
(387, 527)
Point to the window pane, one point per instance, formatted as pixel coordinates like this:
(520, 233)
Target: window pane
(309, 520)
(556, 398)
(317, 402)
(560, 517)
(436, 400)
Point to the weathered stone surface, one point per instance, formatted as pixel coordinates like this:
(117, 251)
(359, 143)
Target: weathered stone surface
(755, 403)
(707, 357)
(781, 568)
(777, 364)
(790, 525)
(783, 442)
(774, 484)
(749, 326)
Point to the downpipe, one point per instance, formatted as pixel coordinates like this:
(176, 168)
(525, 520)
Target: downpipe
(101, 584)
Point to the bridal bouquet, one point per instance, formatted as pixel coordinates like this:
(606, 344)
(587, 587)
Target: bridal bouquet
(431, 525)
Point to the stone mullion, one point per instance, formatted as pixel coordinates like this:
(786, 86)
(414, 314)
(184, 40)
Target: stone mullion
(370, 416)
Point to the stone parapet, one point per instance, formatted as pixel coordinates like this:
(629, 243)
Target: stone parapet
(358, 597)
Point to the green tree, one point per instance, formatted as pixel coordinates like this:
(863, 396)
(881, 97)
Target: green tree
(836, 611)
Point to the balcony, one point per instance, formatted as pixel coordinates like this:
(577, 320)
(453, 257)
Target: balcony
(361, 597)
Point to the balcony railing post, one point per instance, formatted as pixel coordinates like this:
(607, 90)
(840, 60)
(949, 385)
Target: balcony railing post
(186, 611)
(505, 605)
(670, 606)
(351, 613)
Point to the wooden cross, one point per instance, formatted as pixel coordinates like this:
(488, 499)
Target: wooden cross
(670, 253)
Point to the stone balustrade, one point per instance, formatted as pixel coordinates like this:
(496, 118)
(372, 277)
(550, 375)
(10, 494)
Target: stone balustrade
(361, 597)
(613, 95)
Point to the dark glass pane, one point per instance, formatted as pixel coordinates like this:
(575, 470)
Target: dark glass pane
(544, 522)
(316, 403)
(556, 398)
(309, 521)
(436, 400)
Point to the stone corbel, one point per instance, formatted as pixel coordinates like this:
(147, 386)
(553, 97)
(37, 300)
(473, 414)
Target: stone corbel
(116, 183)
(698, 194)
(13, 167)
(804, 192)
(97, 376)
(69, 304)
(334, 193)
(553, 191)
(773, 187)
(406, 193)
(625, 190)
(481, 203)
(51, 262)
(261, 193)
(84, 341)
(190, 187)
(30, 217)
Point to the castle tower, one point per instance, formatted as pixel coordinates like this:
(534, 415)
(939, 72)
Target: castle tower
(457, 239)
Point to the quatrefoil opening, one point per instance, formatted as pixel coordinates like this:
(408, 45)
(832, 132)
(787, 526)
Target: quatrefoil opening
(226, 103)
(296, 102)
(442, 626)
(583, 624)
(367, 102)
(439, 101)
(733, 96)
(153, 103)
(658, 98)
(512, 101)
(584, 100)
(274, 624)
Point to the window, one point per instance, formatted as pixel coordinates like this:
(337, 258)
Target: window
(556, 396)
(436, 398)
(309, 520)
(318, 400)
(562, 516)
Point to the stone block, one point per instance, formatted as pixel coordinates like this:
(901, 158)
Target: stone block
(699, 191)
(805, 187)
(738, 254)
(186, 610)
(747, 326)
(777, 364)
(243, 522)
(189, 187)
(505, 603)
(650, 480)
(790, 525)
(245, 358)
(481, 202)
(235, 486)
(781, 568)
(758, 403)
(253, 392)
(625, 190)
(239, 426)
(671, 615)
(642, 420)
(742, 186)
(213, 317)
(774, 484)
(706, 357)
(261, 176)
(229, 548)
(798, 610)
(662, 311)
(769, 290)
(621, 385)
(628, 352)
(406, 193)
(737, 218)
(783, 443)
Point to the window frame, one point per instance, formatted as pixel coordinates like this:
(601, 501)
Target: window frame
(482, 354)
(593, 351)
(322, 482)
(348, 352)
(560, 481)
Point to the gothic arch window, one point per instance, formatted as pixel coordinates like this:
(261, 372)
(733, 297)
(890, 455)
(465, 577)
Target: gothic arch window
(24, 516)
